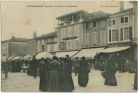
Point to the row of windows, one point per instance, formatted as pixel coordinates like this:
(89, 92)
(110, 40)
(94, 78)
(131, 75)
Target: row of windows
(121, 34)
(95, 38)
(69, 19)
(124, 19)
(69, 45)
(69, 31)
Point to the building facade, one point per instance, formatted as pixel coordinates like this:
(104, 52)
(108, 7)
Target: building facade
(47, 42)
(120, 29)
(31, 46)
(70, 30)
(80, 29)
(95, 30)
(13, 47)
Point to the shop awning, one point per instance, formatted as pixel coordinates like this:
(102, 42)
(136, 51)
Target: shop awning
(115, 49)
(28, 57)
(10, 58)
(89, 52)
(63, 54)
(44, 55)
(16, 58)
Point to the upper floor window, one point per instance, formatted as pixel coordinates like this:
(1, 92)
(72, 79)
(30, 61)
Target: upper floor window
(94, 24)
(120, 35)
(62, 46)
(124, 19)
(87, 25)
(113, 22)
(90, 25)
(115, 35)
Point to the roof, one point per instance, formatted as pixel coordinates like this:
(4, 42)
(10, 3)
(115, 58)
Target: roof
(72, 13)
(98, 15)
(14, 39)
(130, 9)
(49, 35)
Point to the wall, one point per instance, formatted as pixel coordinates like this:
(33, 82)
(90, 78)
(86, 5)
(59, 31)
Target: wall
(17, 48)
(31, 46)
(118, 25)
(71, 35)
(96, 36)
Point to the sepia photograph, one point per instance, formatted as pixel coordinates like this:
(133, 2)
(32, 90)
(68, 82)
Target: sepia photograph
(69, 46)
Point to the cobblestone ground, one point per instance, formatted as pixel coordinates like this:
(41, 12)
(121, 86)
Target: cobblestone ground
(20, 82)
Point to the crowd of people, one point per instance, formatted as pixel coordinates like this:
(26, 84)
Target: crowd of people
(56, 73)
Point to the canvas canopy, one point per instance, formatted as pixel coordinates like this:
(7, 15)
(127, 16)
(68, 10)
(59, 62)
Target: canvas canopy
(89, 53)
(44, 55)
(63, 54)
(115, 49)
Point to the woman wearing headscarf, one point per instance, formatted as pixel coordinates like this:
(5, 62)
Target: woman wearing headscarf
(83, 72)
(54, 78)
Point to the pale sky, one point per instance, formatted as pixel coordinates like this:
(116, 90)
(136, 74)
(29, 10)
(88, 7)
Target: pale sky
(20, 21)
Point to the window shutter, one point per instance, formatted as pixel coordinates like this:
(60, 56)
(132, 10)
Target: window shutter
(130, 33)
(109, 35)
(122, 19)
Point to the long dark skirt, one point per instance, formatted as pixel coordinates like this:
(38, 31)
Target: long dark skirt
(110, 79)
(54, 81)
(83, 78)
(44, 81)
(67, 84)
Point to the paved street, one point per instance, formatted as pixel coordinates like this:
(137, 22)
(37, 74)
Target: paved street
(18, 82)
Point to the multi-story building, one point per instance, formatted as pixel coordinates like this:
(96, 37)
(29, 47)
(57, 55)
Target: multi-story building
(70, 30)
(13, 47)
(80, 30)
(47, 42)
(95, 30)
(122, 32)
(120, 29)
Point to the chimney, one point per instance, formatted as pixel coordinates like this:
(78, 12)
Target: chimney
(121, 5)
(34, 34)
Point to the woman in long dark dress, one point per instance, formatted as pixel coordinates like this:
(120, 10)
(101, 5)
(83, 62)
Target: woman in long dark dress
(110, 70)
(68, 82)
(54, 79)
(83, 76)
(44, 75)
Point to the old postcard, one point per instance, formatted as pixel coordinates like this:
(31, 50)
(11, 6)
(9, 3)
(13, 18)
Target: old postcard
(69, 46)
